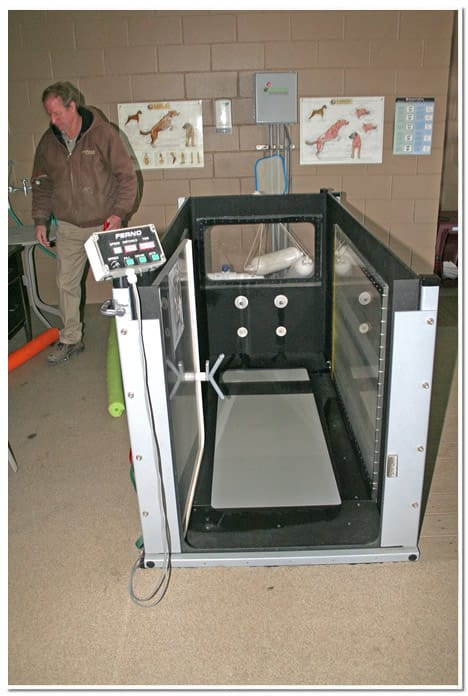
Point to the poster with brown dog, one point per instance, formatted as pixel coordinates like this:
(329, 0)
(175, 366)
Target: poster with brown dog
(164, 135)
(341, 130)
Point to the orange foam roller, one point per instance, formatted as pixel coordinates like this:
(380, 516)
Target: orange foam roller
(18, 357)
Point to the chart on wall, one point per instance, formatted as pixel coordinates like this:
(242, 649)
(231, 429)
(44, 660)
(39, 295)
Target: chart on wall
(164, 135)
(414, 122)
(341, 130)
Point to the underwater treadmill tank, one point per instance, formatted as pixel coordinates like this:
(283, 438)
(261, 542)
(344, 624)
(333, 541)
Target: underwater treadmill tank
(281, 412)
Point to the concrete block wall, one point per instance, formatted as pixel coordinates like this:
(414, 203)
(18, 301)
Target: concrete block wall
(117, 56)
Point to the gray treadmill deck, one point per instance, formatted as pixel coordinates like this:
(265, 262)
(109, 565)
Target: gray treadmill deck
(270, 451)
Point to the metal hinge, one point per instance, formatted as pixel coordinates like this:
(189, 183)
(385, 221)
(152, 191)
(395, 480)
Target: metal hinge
(392, 465)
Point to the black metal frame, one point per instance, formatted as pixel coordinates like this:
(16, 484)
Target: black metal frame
(19, 313)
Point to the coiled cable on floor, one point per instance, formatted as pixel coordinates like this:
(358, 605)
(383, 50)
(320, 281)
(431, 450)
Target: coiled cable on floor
(159, 590)
(157, 593)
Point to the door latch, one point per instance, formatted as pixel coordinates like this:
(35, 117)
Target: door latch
(111, 308)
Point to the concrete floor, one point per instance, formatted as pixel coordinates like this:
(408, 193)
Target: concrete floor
(73, 523)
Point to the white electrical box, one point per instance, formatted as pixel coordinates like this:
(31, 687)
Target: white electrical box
(275, 97)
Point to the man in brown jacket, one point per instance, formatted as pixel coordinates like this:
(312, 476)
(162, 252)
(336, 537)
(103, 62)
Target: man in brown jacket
(84, 177)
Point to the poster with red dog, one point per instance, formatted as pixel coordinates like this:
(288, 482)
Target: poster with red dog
(164, 135)
(341, 130)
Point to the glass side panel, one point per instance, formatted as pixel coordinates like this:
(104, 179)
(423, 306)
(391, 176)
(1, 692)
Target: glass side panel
(181, 361)
(358, 346)
(260, 250)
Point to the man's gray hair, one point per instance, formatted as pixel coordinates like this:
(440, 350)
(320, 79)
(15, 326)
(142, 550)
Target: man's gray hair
(66, 91)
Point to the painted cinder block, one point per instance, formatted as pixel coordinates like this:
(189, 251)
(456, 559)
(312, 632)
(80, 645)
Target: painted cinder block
(184, 58)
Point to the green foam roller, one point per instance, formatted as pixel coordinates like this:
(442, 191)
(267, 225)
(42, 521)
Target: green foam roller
(115, 397)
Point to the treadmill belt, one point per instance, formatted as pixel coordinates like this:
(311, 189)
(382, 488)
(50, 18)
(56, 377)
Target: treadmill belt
(270, 451)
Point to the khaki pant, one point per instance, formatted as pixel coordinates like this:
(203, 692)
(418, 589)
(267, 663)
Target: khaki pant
(71, 263)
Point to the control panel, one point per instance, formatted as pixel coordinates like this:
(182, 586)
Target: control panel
(113, 253)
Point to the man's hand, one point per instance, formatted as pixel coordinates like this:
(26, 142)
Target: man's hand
(41, 235)
(113, 222)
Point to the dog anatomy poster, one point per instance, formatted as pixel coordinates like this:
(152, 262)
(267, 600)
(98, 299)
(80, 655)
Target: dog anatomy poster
(164, 135)
(341, 130)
